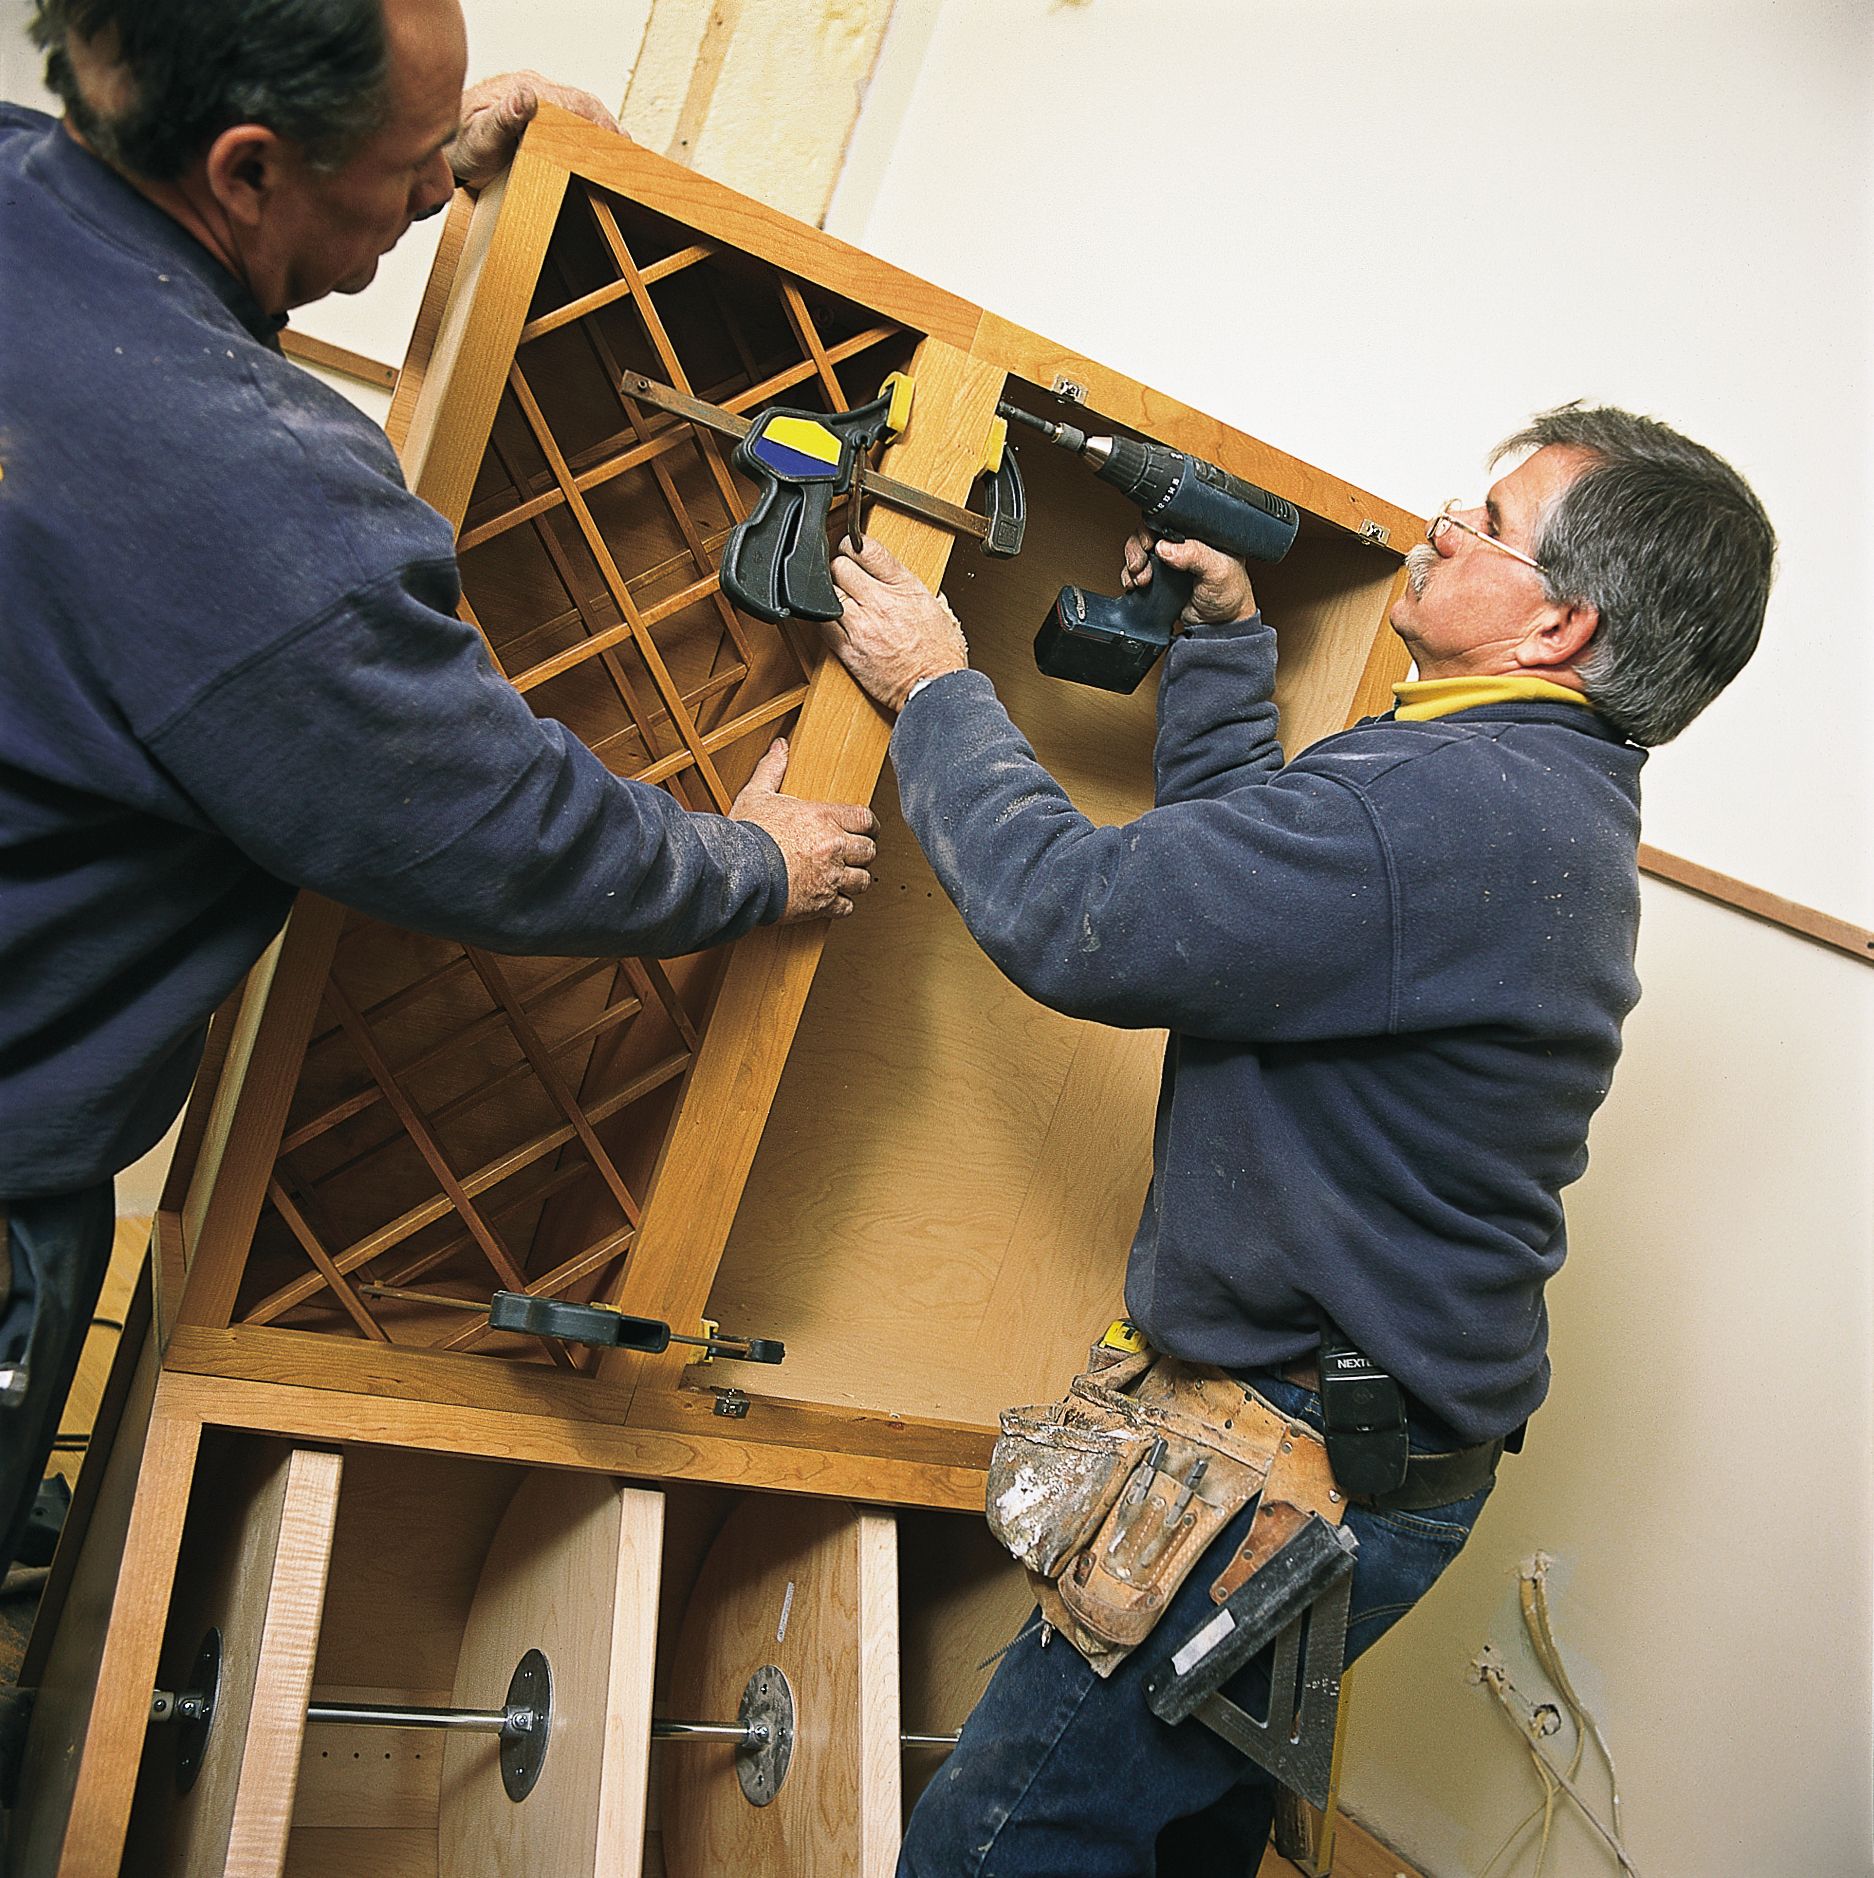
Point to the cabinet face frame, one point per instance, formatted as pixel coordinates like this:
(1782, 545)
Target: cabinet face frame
(643, 1414)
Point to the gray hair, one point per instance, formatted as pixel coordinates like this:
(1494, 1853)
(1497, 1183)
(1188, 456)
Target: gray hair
(314, 71)
(1669, 543)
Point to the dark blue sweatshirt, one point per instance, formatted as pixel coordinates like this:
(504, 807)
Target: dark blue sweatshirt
(230, 666)
(1394, 972)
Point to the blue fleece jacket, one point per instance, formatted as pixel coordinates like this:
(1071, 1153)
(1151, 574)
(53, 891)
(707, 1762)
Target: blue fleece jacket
(1394, 972)
(230, 666)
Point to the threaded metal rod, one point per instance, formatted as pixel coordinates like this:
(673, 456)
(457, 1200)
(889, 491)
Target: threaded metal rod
(754, 1733)
(395, 1715)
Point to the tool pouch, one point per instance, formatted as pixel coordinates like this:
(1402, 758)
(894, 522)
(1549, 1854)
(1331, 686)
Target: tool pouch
(1112, 1496)
(1057, 1469)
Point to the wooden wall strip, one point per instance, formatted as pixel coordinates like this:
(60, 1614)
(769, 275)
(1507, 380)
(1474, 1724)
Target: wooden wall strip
(341, 359)
(1759, 902)
(429, 314)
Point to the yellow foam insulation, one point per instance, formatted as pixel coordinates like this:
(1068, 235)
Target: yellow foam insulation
(759, 94)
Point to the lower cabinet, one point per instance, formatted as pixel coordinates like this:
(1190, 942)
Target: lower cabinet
(678, 1680)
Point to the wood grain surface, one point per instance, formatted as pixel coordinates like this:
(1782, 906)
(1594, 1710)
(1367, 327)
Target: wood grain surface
(254, 1569)
(573, 1572)
(93, 1709)
(811, 1589)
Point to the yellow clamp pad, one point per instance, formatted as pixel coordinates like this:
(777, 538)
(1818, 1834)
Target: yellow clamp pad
(900, 387)
(1123, 1334)
(712, 1329)
(993, 446)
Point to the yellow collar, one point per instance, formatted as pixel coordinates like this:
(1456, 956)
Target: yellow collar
(1422, 698)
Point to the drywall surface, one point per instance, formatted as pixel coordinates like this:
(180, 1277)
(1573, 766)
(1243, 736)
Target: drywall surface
(1700, 1471)
(1380, 235)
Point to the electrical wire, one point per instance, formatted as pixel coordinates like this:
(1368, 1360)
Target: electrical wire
(1495, 1680)
(1544, 1809)
(1533, 1599)
(1534, 1593)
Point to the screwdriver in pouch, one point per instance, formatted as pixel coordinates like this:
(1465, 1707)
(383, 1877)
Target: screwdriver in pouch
(1138, 1491)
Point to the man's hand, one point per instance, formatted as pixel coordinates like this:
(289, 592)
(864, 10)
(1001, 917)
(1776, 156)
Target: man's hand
(894, 630)
(1222, 592)
(826, 845)
(495, 112)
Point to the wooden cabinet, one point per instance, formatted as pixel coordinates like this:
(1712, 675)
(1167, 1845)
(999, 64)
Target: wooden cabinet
(858, 1139)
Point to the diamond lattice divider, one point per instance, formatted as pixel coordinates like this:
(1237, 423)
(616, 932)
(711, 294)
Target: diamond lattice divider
(448, 1102)
(463, 1123)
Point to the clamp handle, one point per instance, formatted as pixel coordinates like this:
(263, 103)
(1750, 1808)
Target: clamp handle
(777, 564)
(1005, 501)
(606, 1329)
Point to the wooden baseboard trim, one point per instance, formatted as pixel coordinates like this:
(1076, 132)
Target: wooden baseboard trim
(340, 359)
(1357, 1854)
(1759, 903)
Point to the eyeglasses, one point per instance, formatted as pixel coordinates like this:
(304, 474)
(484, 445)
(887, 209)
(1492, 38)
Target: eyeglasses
(1445, 519)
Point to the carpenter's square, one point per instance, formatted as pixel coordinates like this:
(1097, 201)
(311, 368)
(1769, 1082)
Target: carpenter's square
(1297, 1601)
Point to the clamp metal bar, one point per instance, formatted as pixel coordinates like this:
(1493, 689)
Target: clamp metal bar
(900, 495)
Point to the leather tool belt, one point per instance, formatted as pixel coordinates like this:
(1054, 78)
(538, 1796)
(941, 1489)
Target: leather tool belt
(1111, 1496)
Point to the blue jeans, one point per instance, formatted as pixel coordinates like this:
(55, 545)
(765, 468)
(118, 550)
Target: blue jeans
(1059, 1772)
(59, 1250)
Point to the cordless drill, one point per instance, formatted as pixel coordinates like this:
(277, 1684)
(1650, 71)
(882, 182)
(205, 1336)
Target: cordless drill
(1113, 642)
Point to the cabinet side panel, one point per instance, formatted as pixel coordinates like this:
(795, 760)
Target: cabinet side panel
(93, 1709)
(841, 744)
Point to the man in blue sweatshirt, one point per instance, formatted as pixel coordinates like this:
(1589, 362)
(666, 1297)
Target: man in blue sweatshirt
(232, 663)
(1394, 972)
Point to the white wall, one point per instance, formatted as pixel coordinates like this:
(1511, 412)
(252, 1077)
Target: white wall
(1379, 234)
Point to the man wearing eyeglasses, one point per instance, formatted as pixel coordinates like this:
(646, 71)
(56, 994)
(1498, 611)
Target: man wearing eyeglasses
(1394, 971)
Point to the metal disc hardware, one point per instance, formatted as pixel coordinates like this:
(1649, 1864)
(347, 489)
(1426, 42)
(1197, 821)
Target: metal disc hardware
(524, 1721)
(763, 1733)
(524, 1750)
(767, 1712)
(193, 1712)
